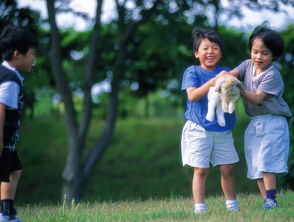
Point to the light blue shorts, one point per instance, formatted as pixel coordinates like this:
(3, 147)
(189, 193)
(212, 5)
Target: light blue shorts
(266, 145)
(200, 147)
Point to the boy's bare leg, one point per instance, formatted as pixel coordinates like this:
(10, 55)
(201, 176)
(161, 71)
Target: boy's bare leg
(227, 181)
(8, 190)
(198, 184)
(269, 180)
(261, 187)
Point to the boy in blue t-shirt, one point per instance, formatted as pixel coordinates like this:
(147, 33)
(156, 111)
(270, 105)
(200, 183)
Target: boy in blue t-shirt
(18, 49)
(203, 141)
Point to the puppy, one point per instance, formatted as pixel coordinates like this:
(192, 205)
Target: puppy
(222, 97)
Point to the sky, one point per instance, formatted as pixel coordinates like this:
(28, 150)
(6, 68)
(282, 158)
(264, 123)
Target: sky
(251, 19)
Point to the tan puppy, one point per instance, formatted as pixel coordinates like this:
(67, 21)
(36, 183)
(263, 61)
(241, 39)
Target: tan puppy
(222, 97)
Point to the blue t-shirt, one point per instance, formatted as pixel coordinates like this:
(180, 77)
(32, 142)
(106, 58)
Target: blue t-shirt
(195, 76)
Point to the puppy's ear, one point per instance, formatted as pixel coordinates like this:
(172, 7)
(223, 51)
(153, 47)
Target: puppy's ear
(218, 84)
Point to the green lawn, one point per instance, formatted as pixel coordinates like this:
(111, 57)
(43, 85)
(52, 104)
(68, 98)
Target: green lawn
(168, 209)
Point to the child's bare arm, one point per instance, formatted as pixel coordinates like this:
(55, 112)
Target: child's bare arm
(254, 98)
(195, 94)
(235, 72)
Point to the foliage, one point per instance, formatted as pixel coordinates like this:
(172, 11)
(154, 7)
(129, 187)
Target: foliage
(174, 208)
(152, 62)
(11, 14)
(287, 63)
(233, 55)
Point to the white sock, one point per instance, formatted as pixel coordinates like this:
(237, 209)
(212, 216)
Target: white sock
(232, 205)
(200, 207)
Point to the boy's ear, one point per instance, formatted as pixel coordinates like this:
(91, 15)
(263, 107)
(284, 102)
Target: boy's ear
(15, 54)
(196, 54)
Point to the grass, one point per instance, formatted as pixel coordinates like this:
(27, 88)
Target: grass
(143, 161)
(169, 209)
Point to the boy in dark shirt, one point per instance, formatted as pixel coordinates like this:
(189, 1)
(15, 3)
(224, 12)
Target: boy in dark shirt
(18, 49)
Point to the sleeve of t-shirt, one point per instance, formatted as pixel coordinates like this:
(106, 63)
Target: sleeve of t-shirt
(9, 94)
(272, 83)
(242, 68)
(189, 79)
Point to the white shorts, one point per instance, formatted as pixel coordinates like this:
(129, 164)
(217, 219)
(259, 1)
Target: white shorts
(199, 147)
(266, 145)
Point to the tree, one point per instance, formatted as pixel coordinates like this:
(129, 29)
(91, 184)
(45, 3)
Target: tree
(74, 174)
(77, 172)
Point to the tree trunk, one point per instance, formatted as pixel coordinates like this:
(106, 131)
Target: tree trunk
(73, 181)
(97, 152)
(72, 170)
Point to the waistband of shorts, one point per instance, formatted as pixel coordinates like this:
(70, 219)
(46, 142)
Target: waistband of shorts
(269, 117)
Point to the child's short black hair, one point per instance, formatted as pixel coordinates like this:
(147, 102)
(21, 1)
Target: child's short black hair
(198, 34)
(14, 38)
(271, 39)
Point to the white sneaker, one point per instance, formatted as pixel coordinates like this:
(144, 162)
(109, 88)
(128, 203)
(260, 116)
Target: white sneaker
(234, 208)
(199, 208)
(232, 205)
(199, 211)
(9, 218)
(270, 204)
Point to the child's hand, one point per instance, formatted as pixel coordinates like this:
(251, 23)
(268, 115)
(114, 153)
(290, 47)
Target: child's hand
(213, 80)
(222, 73)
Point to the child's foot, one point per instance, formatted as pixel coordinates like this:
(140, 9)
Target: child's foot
(232, 205)
(199, 211)
(200, 208)
(270, 204)
(9, 218)
(234, 208)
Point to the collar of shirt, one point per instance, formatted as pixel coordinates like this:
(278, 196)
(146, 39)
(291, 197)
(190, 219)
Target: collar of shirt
(6, 64)
(255, 77)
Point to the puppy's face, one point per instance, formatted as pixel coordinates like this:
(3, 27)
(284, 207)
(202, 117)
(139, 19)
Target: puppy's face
(228, 83)
(231, 83)
(231, 86)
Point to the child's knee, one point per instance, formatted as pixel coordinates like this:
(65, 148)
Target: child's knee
(200, 172)
(227, 170)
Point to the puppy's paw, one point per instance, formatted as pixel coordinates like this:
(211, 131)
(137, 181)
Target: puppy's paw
(221, 122)
(231, 108)
(210, 117)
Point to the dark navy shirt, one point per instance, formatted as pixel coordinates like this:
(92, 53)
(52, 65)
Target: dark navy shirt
(12, 116)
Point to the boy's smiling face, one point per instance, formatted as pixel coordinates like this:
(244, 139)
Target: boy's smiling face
(209, 54)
